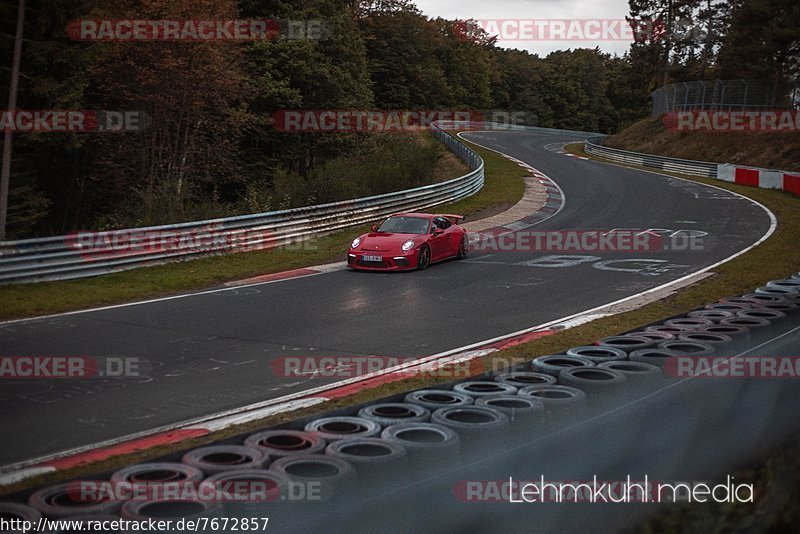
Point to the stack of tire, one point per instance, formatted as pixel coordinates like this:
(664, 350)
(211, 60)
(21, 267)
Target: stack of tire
(429, 429)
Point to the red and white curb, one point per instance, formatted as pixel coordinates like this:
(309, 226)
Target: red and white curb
(558, 148)
(287, 275)
(576, 156)
(761, 178)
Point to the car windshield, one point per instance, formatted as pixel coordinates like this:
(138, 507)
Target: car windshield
(404, 225)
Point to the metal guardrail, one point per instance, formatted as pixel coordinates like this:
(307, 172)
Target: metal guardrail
(95, 253)
(685, 166)
(498, 126)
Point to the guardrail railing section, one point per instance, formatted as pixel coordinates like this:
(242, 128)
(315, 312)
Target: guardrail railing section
(94, 253)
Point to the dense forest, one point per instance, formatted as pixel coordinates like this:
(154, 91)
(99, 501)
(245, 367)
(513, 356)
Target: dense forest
(211, 149)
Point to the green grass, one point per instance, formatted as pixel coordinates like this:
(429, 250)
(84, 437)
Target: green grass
(504, 186)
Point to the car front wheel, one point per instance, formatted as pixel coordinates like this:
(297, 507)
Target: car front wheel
(423, 258)
(463, 248)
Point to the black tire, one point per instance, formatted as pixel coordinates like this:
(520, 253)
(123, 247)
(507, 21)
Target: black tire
(427, 444)
(263, 486)
(373, 458)
(788, 307)
(170, 510)
(423, 258)
(280, 443)
(65, 499)
(553, 364)
(474, 422)
(786, 283)
(627, 343)
(736, 332)
(654, 356)
(463, 248)
(520, 379)
(434, 399)
(599, 353)
(340, 427)
(758, 299)
(158, 473)
(486, 388)
(221, 458)
(516, 407)
(556, 399)
(594, 381)
(774, 292)
(732, 307)
(687, 348)
(713, 315)
(704, 336)
(756, 326)
(673, 330)
(657, 337)
(635, 372)
(773, 316)
(391, 413)
(22, 512)
(334, 474)
(770, 294)
(689, 322)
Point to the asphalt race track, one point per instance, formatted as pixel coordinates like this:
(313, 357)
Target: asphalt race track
(213, 351)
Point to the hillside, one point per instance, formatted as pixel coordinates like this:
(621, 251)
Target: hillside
(769, 150)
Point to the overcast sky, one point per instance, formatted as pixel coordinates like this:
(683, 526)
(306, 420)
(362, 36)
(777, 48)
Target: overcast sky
(534, 10)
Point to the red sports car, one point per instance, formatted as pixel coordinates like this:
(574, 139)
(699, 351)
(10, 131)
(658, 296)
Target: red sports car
(409, 241)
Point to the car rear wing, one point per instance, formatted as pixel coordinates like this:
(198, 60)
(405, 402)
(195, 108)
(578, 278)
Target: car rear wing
(453, 218)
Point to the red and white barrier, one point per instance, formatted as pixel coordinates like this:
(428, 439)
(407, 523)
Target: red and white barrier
(761, 178)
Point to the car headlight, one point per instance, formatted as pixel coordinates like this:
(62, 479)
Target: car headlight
(355, 243)
(408, 245)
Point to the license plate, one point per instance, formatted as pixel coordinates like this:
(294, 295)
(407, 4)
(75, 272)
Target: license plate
(372, 258)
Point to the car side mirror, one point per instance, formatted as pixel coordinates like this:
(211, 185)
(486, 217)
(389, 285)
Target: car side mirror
(374, 228)
(438, 231)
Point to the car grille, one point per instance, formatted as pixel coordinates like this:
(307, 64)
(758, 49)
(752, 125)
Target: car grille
(372, 263)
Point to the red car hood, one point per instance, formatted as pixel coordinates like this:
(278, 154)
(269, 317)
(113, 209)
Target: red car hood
(384, 241)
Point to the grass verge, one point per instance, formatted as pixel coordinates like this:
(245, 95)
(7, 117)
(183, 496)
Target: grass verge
(504, 187)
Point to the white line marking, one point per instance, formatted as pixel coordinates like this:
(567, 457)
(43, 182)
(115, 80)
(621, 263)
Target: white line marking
(321, 269)
(232, 420)
(6, 479)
